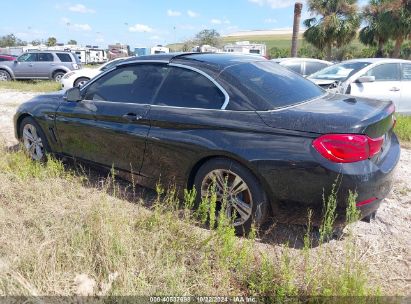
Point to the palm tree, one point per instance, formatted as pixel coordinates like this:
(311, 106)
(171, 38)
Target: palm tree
(401, 29)
(336, 25)
(386, 19)
(377, 31)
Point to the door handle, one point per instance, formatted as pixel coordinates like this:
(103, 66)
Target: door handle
(132, 117)
(394, 89)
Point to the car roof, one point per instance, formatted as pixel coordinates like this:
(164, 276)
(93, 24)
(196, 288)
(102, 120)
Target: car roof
(278, 60)
(48, 51)
(215, 59)
(376, 60)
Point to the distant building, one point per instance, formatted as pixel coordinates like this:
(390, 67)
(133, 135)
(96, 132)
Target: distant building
(118, 51)
(87, 55)
(142, 51)
(247, 48)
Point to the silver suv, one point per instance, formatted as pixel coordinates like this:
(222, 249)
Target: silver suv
(39, 65)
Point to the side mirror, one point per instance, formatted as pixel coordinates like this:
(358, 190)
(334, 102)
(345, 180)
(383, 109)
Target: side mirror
(73, 95)
(363, 79)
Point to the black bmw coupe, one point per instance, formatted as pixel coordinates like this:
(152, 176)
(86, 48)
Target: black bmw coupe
(273, 140)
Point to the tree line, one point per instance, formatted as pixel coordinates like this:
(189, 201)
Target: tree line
(11, 40)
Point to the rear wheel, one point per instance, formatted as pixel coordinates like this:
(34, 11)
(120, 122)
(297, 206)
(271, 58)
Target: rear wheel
(246, 201)
(81, 81)
(33, 139)
(4, 75)
(58, 75)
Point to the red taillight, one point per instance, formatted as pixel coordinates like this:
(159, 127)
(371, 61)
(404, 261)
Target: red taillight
(347, 148)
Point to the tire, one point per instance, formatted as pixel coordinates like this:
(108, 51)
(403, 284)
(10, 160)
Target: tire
(80, 81)
(58, 75)
(4, 75)
(33, 139)
(252, 206)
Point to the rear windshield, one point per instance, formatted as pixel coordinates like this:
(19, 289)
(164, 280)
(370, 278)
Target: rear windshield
(341, 71)
(268, 85)
(64, 57)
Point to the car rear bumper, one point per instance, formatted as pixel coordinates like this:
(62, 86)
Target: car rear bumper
(293, 190)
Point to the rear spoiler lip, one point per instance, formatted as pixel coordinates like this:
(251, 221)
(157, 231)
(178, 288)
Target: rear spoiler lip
(383, 125)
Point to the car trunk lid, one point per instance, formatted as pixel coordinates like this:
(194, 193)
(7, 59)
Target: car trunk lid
(334, 113)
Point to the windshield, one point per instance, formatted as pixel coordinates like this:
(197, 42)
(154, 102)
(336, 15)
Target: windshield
(266, 85)
(340, 72)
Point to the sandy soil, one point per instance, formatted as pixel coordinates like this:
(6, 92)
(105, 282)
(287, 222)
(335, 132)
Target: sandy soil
(385, 242)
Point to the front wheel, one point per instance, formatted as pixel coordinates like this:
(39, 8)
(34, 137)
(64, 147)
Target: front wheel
(81, 81)
(33, 139)
(245, 198)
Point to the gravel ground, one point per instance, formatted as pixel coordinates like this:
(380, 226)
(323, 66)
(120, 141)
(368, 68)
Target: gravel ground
(385, 242)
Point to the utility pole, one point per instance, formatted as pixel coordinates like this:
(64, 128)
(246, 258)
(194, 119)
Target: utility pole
(296, 28)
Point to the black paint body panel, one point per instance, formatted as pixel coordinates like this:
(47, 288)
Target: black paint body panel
(168, 144)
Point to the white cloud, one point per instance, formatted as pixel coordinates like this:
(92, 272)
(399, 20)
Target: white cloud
(100, 40)
(155, 37)
(82, 27)
(140, 28)
(274, 3)
(80, 8)
(270, 20)
(192, 14)
(172, 13)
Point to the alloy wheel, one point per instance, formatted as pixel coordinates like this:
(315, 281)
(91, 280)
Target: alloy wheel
(228, 185)
(3, 76)
(32, 142)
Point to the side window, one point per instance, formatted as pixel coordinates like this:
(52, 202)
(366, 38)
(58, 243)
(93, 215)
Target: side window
(385, 72)
(64, 57)
(312, 67)
(190, 89)
(406, 71)
(45, 57)
(132, 84)
(293, 66)
(28, 57)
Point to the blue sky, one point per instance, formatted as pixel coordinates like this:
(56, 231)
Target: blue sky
(139, 23)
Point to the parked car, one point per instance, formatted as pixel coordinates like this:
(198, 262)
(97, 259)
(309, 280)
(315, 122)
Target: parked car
(80, 77)
(7, 57)
(377, 78)
(39, 65)
(303, 66)
(276, 140)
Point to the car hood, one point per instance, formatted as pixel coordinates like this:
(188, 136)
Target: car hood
(322, 82)
(331, 113)
(86, 72)
(46, 103)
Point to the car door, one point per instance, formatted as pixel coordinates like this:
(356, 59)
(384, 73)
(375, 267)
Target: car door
(110, 125)
(386, 85)
(44, 65)
(404, 105)
(24, 67)
(187, 105)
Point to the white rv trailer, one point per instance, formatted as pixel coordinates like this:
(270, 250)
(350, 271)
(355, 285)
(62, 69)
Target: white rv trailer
(159, 50)
(246, 47)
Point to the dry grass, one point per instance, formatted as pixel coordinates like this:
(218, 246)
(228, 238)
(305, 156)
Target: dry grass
(403, 129)
(31, 85)
(64, 234)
